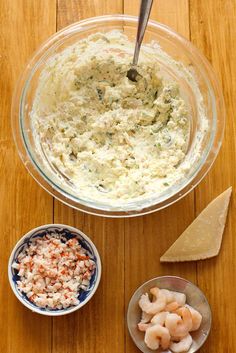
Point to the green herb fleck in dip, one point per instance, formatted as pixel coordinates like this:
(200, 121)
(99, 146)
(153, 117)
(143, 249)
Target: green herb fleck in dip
(114, 139)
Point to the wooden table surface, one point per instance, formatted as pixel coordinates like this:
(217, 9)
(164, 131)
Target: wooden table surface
(130, 248)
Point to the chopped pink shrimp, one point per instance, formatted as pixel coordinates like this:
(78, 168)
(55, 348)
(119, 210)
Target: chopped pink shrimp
(53, 270)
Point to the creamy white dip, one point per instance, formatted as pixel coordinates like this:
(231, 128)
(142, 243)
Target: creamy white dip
(112, 138)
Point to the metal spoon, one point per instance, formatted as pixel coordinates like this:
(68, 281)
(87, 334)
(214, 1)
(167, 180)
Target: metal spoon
(144, 13)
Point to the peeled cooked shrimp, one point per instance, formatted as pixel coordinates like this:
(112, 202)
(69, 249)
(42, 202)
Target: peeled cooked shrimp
(145, 318)
(172, 322)
(168, 294)
(145, 321)
(172, 306)
(156, 336)
(167, 320)
(183, 345)
(186, 316)
(180, 298)
(156, 305)
(159, 318)
(144, 326)
(171, 296)
(196, 318)
(179, 323)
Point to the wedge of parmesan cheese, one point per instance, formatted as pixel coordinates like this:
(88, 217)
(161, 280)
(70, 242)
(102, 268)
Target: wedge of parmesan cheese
(202, 239)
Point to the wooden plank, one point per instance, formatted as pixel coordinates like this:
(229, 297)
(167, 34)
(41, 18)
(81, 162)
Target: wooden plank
(170, 12)
(213, 31)
(69, 11)
(147, 238)
(99, 326)
(24, 204)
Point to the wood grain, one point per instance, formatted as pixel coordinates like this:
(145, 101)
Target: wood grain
(99, 326)
(173, 13)
(69, 11)
(24, 205)
(129, 249)
(147, 238)
(213, 30)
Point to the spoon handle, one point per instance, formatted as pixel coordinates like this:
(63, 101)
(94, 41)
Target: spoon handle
(144, 13)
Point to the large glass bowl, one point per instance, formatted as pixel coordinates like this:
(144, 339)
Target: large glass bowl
(176, 47)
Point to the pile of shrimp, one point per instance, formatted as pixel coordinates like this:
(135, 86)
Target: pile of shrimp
(52, 271)
(167, 320)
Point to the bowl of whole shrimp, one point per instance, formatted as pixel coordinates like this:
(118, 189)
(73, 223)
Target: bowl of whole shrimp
(169, 314)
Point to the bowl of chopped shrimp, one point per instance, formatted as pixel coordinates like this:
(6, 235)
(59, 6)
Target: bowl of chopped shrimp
(54, 269)
(169, 315)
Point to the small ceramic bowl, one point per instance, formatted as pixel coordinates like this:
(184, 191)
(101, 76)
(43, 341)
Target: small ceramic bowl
(69, 232)
(195, 298)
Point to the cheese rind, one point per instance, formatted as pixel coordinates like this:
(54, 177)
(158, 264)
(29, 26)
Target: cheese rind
(202, 239)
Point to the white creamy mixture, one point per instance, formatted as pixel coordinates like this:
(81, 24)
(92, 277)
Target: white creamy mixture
(112, 138)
